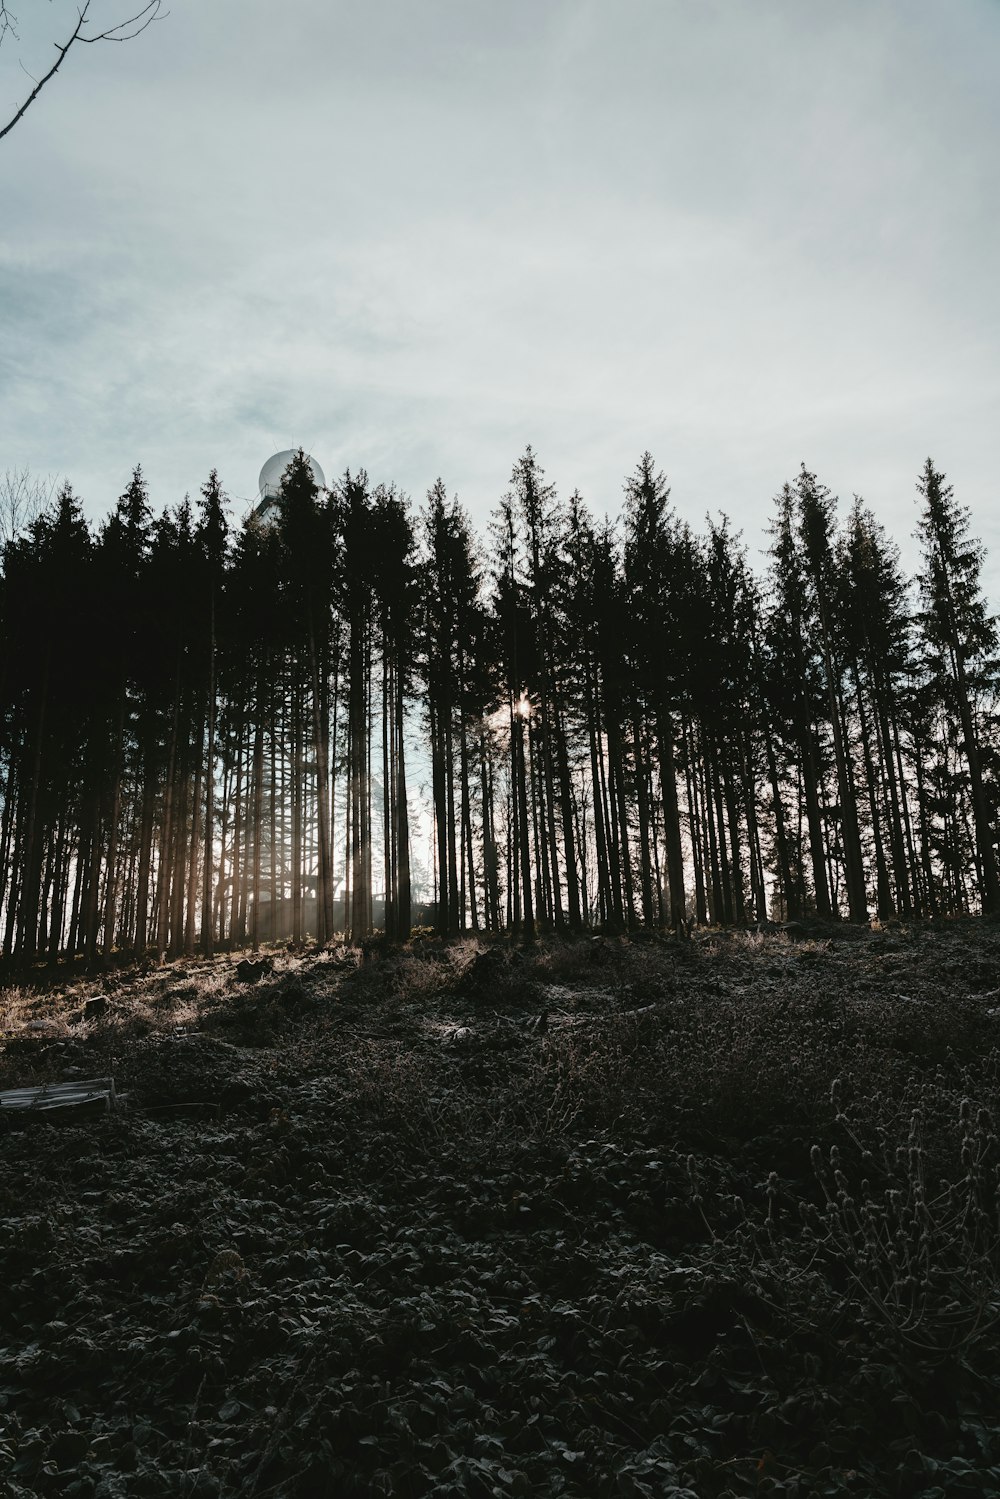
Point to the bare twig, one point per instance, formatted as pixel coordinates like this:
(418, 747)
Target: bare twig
(23, 497)
(121, 32)
(8, 21)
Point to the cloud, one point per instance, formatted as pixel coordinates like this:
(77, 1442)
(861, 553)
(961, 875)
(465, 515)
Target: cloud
(415, 238)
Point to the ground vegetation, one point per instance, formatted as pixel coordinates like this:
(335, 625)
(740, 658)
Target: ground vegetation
(584, 1217)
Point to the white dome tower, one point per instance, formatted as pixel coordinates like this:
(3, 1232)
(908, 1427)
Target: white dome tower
(269, 483)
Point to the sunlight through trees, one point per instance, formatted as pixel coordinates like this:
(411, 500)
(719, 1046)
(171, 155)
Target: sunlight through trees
(211, 737)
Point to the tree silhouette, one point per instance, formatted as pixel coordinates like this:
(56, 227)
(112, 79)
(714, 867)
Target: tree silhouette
(960, 641)
(207, 738)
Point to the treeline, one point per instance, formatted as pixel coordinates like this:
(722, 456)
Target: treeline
(213, 738)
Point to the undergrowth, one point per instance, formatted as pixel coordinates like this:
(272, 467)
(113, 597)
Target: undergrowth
(592, 1217)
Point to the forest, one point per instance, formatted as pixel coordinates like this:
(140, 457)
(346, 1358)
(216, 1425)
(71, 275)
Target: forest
(365, 717)
(649, 1152)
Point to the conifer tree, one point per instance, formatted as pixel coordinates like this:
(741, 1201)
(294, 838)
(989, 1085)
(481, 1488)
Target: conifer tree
(212, 536)
(795, 701)
(960, 643)
(307, 537)
(396, 605)
(654, 578)
(48, 582)
(123, 547)
(353, 504)
(816, 510)
(873, 625)
(515, 643)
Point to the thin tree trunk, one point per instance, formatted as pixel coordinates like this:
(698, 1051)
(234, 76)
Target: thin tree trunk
(207, 911)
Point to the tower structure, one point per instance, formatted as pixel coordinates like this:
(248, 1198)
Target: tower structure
(269, 484)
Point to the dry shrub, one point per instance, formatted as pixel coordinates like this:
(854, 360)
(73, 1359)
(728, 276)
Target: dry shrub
(15, 1006)
(585, 960)
(885, 1248)
(418, 973)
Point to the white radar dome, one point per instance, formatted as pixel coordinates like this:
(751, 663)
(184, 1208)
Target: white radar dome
(269, 483)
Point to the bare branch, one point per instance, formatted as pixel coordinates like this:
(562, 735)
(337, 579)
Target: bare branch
(62, 50)
(8, 22)
(138, 23)
(124, 31)
(23, 497)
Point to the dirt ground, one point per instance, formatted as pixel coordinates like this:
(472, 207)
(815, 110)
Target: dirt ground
(598, 1217)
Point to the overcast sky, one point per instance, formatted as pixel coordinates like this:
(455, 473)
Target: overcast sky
(416, 235)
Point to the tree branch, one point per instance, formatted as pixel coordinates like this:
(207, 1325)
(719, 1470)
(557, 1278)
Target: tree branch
(124, 31)
(7, 22)
(120, 32)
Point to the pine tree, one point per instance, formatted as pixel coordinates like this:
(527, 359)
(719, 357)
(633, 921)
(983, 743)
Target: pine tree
(960, 643)
(353, 504)
(309, 575)
(873, 624)
(47, 698)
(396, 606)
(211, 536)
(123, 547)
(513, 627)
(816, 510)
(794, 675)
(654, 580)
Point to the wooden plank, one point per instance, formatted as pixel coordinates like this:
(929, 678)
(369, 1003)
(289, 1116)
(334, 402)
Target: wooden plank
(74, 1095)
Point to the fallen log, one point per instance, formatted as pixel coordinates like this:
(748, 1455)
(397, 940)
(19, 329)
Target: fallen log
(93, 1095)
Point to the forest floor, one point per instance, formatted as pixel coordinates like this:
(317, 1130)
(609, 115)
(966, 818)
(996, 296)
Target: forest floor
(599, 1218)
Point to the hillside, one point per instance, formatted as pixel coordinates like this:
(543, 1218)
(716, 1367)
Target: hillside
(604, 1217)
